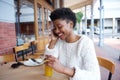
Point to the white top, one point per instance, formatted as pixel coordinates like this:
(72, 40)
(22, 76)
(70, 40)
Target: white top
(80, 55)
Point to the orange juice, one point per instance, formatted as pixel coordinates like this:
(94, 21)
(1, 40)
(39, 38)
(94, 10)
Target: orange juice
(48, 71)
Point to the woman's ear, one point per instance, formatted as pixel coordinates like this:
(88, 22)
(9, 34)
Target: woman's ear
(71, 24)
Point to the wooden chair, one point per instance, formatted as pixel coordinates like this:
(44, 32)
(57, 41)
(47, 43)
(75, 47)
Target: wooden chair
(27, 48)
(23, 49)
(26, 45)
(107, 64)
(16, 50)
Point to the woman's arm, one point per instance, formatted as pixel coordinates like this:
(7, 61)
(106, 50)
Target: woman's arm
(52, 44)
(52, 47)
(54, 39)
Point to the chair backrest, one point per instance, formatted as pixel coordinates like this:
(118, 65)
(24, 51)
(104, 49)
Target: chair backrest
(109, 65)
(26, 45)
(20, 49)
(16, 50)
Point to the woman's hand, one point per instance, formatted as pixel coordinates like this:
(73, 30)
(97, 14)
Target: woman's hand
(55, 64)
(53, 36)
(53, 39)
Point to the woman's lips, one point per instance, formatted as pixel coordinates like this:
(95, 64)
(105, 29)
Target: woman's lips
(60, 35)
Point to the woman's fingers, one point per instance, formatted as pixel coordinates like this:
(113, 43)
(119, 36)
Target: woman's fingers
(54, 63)
(51, 60)
(53, 36)
(50, 57)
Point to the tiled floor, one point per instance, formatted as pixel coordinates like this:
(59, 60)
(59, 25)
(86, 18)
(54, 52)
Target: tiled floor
(111, 51)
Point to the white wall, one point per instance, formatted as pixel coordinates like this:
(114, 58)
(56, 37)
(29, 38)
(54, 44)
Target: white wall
(27, 14)
(111, 8)
(108, 22)
(7, 11)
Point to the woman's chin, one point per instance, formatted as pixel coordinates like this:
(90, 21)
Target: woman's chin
(62, 38)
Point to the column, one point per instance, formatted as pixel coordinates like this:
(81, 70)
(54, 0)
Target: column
(113, 28)
(57, 4)
(17, 15)
(85, 21)
(92, 23)
(101, 24)
(61, 3)
(43, 20)
(80, 28)
(36, 19)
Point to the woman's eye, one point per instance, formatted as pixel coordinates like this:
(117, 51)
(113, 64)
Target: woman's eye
(60, 27)
(54, 29)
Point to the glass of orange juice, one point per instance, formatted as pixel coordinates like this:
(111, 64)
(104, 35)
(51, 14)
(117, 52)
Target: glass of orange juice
(48, 71)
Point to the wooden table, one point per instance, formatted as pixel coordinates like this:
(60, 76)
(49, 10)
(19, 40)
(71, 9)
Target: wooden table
(27, 73)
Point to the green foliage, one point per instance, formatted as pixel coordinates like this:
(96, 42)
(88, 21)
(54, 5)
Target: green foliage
(75, 28)
(79, 16)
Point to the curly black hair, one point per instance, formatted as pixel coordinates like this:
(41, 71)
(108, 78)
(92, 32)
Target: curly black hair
(64, 13)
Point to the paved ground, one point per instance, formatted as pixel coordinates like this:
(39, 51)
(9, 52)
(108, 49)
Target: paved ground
(111, 51)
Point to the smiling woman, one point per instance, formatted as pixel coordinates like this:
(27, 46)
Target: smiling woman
(67, 52)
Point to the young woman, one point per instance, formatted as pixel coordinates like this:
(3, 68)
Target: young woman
(69, 53)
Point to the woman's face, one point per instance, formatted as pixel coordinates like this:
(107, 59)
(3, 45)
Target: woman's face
(63, 28)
